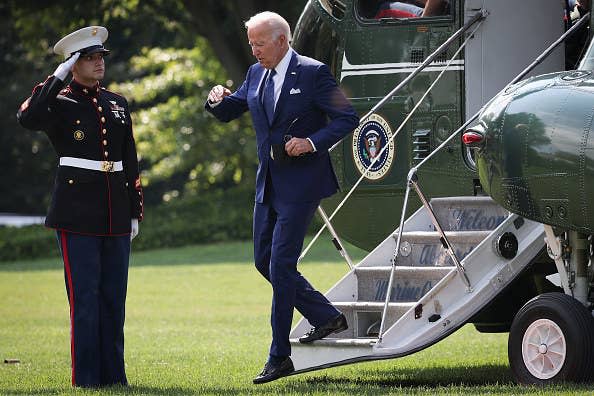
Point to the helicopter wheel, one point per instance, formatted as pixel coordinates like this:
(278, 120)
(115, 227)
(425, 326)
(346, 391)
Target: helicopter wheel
(552, 340)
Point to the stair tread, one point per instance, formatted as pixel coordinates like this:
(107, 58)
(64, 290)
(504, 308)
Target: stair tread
(481, 199)
(404, 268)
(448, 233)
(338, 342)
(373, 304)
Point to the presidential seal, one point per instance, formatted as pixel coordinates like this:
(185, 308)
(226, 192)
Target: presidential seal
(369, 140)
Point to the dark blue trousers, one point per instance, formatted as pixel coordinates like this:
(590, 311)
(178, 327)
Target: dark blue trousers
(279, 229)
(96, 274)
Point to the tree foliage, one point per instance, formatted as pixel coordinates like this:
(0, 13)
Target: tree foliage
(166, 54)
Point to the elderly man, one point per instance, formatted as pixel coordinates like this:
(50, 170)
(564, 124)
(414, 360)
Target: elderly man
(97, 200)
(290, 98)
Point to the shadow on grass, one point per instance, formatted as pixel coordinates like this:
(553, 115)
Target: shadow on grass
(479, 379)
(434, 380)
(433, 377)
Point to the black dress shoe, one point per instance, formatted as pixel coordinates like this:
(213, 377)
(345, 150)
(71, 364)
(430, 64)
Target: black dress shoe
(335, 325)
(272, 371)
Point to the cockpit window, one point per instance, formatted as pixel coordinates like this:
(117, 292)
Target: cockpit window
(405, 9)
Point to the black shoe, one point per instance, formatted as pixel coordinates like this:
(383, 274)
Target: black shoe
(335, 325)
(272, 372)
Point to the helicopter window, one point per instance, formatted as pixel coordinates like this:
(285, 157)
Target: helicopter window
(404, 9)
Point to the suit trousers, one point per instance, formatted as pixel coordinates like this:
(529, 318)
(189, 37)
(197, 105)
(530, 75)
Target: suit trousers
(96, 275)
(279, 230)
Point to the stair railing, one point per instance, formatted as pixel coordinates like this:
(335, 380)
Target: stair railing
(478, 16)
(412, 178)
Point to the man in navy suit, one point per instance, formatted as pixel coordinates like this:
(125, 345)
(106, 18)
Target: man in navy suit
(298, 113)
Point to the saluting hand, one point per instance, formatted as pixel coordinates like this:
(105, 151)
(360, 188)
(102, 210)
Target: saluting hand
(217, 93)
(65, 67)
(298, 146)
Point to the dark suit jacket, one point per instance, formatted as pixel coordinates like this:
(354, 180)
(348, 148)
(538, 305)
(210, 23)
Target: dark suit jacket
(87, 123)
(310, 96)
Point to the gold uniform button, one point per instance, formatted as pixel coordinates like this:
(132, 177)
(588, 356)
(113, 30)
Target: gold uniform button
(95, 100)
(100, 108)
(70, 181)
(105, 153)
(126, 184)
(77, 122)
(105, 142)
(104, 131)
(122, 121)
(102, 119)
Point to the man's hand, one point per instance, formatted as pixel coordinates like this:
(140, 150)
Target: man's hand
(65, 67)
(298, 146)
(133, 229)
(217, 93)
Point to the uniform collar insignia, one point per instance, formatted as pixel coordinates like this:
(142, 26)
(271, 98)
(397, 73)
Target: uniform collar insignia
(83, 89)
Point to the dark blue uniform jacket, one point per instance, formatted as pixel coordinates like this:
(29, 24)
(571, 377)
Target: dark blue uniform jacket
(94, 124)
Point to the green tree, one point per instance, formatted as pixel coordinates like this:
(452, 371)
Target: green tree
(166, 54)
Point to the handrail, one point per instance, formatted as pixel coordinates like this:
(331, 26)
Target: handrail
(406, 194)
(412, 178)
(479, 16)
(520, 76)
(335, 239)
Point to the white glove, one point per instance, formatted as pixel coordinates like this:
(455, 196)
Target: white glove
(133, 228)
(64, 68)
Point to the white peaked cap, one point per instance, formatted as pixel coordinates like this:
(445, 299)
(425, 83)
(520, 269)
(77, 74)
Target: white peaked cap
(86, 40)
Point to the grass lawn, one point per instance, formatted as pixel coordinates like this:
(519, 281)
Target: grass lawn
(198, 323)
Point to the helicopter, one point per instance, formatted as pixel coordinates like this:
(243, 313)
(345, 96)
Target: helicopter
(476, 243)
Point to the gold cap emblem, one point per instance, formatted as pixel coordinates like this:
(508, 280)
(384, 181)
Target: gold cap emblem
(79, 135)
(94, 32)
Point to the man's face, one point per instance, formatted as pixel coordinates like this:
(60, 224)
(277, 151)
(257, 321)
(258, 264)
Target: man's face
(267, 51)
(89, 68)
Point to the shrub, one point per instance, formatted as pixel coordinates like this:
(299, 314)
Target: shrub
(211, 217)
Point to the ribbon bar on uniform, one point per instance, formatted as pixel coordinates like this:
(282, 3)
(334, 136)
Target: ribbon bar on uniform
(103, 166)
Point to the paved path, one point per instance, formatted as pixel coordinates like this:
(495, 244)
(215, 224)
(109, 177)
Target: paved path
(16, 220)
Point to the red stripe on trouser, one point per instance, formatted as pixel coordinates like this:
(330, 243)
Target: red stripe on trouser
(64, 244)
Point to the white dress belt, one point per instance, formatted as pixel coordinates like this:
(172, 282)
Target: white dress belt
(103, 166)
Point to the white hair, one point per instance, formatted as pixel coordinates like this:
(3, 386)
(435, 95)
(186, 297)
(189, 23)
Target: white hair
(277, 23)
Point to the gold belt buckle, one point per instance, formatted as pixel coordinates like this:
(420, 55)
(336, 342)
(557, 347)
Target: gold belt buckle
(107, 166)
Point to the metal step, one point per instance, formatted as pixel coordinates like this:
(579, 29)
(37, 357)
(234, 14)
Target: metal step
(424, 248)
(364, 317)
(438, 313)
(410, 283)
(338, 342)
(468, 213)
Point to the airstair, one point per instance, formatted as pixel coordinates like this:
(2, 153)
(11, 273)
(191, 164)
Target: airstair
(437, 270)
(430, 297)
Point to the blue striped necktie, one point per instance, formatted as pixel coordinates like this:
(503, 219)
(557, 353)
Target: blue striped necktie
(268, 95)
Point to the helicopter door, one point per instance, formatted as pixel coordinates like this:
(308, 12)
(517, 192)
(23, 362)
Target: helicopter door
(512, 36)
(386, 43)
